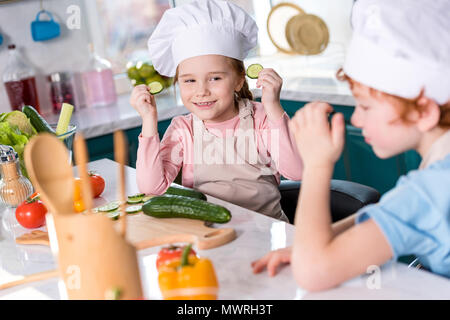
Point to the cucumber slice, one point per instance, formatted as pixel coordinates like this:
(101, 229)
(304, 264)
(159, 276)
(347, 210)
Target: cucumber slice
(113, 215)
(133, 209)
(112, 206)
(155, 87)
(134, 201)
(145, 199)
(137, 198)
(253, 70)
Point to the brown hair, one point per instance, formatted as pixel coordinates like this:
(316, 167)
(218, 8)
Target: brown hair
(239, 68)
(403, 105)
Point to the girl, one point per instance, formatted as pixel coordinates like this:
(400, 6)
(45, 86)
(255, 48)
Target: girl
(228, 146)
(414, 217)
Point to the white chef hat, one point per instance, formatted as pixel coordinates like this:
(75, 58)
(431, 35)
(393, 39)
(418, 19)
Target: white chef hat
(199, 28)
(401, 47)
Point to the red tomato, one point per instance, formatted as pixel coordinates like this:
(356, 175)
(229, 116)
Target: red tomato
(31, 213)
(170, 253)
(98, 184)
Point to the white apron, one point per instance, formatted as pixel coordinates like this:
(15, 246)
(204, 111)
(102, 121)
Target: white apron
(230, 168)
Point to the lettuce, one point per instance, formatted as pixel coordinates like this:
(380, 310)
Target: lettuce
(11, 135)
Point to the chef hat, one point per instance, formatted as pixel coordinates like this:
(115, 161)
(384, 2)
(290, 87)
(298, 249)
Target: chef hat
(199, 28)
(401, 47)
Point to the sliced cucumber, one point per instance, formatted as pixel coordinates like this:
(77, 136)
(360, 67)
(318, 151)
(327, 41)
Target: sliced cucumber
(253, 70)
(137, 198)
(112, 206)
(113, 215)
(133, 209)
(134, 201)
(146, 198)
(155, 87)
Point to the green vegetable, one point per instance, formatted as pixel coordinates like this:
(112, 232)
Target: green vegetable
(21, 121)
(253, 70)
(187, 192)
(37, 121)
(11, 135)
(137, 198)
(112, 206)
(113, 215)
(172, 206)
(133, 209)
(155, 87)
(64, 118)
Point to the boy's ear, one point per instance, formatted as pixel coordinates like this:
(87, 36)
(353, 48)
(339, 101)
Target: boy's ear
(430, 114)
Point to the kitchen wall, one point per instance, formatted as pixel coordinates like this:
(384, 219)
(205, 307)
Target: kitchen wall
(67, 52)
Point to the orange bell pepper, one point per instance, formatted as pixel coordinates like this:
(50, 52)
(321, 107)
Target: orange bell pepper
(188, 278)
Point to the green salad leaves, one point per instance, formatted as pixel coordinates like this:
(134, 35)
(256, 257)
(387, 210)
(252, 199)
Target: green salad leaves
(15, 131)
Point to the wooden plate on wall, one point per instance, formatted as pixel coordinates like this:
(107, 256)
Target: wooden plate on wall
(307, 34)
(276, 24)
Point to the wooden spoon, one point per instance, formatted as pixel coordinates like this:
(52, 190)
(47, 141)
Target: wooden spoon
(81, 159)
(46, 159)
(120, 157)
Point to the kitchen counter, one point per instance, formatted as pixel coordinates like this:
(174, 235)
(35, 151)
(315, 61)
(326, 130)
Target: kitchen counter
(256, 235)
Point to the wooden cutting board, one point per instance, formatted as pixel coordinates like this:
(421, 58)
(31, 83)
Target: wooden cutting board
(144, 231)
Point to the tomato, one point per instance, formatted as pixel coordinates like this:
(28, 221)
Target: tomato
(31, 213)
(98, 184)
(166, 255)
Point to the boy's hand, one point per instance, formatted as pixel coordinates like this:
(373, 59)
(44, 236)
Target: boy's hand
(318, 143)
(271, 84)
(272, 260)
(143, 102)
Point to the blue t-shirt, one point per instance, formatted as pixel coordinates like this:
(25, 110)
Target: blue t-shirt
(415, 216)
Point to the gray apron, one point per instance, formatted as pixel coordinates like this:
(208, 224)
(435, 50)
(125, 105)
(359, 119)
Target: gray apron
(230, 168)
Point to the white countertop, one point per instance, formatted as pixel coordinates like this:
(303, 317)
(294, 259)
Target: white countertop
(256, 235)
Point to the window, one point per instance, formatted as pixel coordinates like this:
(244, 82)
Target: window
(122, 29)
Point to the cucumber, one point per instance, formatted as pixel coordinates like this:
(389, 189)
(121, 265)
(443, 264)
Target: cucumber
(253, 70)
(37, 121)
(133, 209)
(186, 192)
(174, 206)
(155, 87)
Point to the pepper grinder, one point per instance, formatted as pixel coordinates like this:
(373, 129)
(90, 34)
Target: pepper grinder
(14, 187)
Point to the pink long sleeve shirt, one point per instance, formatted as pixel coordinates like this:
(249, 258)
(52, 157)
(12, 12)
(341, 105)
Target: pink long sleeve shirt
(158, 162)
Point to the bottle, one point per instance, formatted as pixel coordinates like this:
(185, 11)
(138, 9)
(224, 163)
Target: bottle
(20, 81)
(14, 187)
(61, 89)
(98, 81)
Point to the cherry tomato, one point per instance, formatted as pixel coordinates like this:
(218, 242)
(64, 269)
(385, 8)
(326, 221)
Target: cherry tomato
(31, 213)
(98, 184)
(168, 254)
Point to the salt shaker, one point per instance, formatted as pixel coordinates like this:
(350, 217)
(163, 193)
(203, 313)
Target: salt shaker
(14, 187)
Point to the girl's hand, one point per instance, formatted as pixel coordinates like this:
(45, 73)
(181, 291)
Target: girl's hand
(271, 84)
(318, 143)
(272, 260)
(143, 102)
